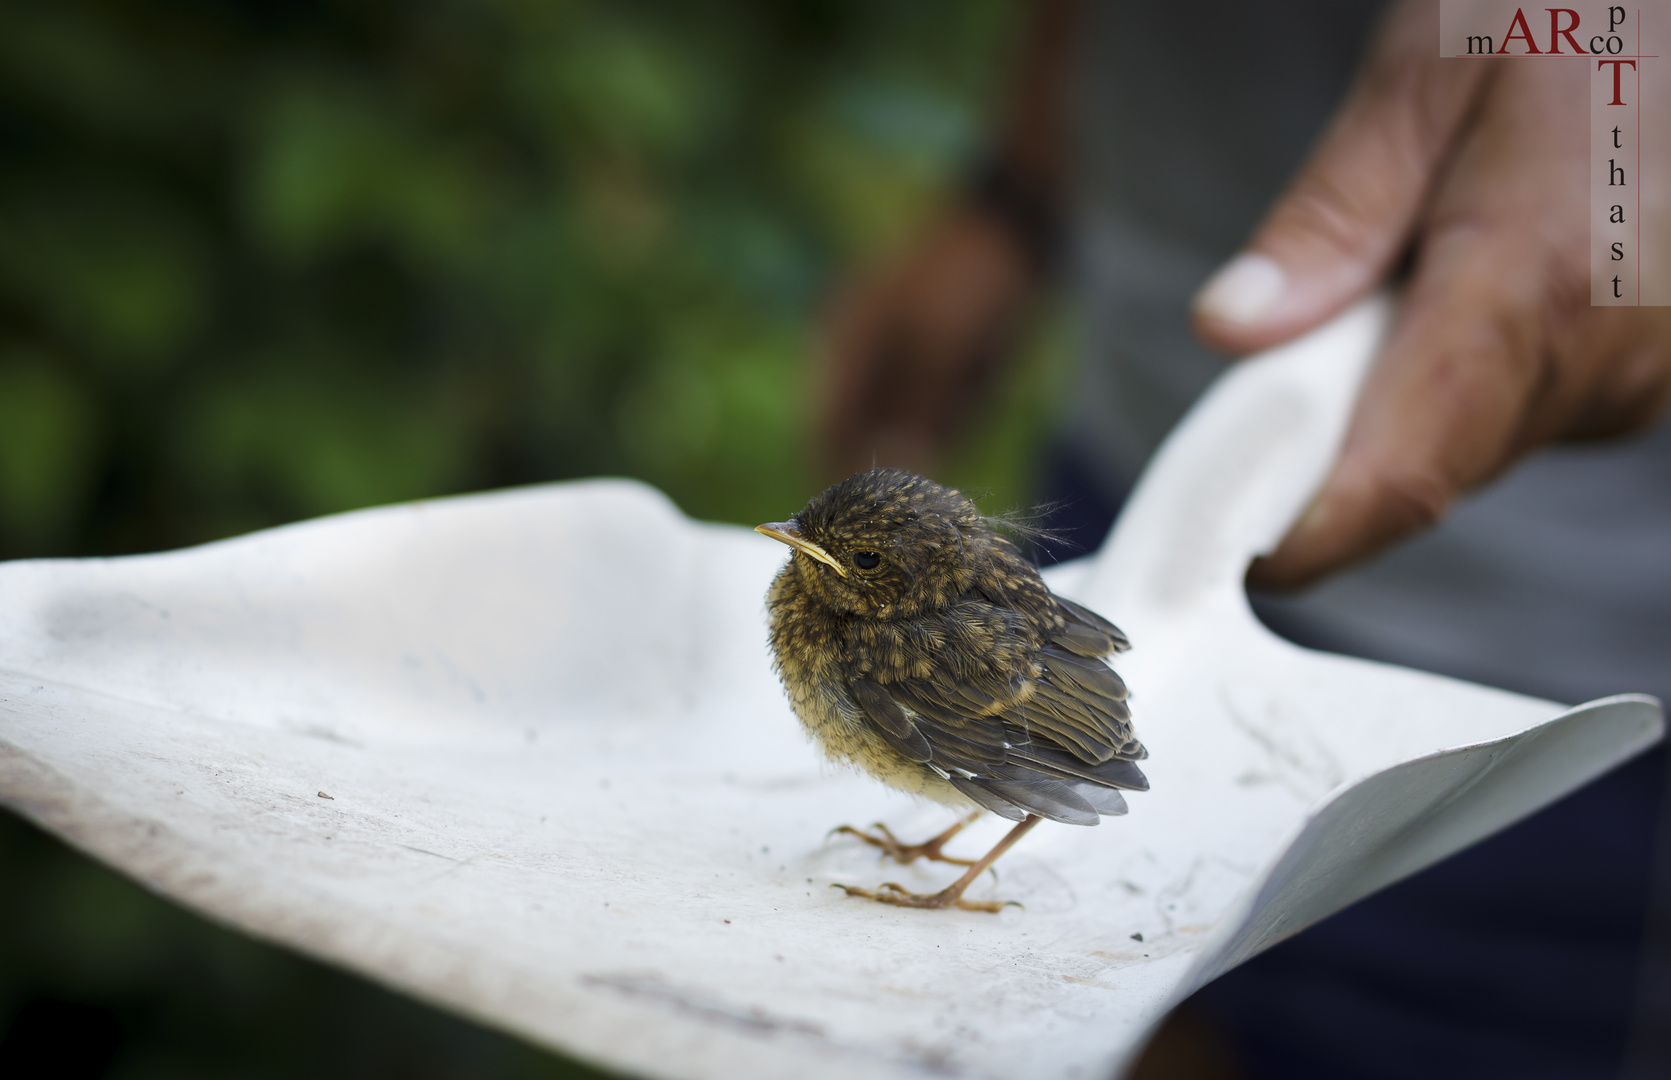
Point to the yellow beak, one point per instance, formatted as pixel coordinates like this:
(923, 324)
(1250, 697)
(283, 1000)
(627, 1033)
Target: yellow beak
(785, 532)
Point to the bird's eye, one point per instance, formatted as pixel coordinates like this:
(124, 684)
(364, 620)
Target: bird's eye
(866, 560)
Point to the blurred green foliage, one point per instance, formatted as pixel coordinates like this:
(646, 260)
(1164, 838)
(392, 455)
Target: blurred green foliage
(264, 261)
(260, 262)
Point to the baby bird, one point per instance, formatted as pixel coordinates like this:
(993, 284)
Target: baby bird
(921, 646)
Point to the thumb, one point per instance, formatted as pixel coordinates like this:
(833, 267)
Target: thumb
(1337, 231)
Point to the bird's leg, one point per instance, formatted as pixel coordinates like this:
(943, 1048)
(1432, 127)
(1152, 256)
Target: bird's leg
(952, 895)
(908, 853)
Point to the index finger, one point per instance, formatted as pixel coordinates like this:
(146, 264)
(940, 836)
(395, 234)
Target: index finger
(1470, 377)
(1343, 222)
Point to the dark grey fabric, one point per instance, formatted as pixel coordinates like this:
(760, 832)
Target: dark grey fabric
(1187, 120)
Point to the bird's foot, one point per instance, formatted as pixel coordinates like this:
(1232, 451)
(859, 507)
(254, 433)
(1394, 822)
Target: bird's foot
(951, 895)
(908, 853)
(890, 893)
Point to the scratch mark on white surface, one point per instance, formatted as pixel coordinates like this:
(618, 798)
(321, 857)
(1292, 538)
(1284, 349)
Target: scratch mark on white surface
(422, 851)
(1297, 758)
(753, 1018)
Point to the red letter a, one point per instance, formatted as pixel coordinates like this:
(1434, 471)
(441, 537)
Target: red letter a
(1524, 35)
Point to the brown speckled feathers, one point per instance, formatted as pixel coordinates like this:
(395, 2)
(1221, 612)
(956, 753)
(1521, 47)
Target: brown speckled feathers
(920, 645)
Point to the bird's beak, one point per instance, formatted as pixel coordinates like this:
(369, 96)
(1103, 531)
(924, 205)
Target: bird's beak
(785, 532)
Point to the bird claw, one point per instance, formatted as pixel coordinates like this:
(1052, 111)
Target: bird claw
(890, 892)
(951, 895)
(904, 854)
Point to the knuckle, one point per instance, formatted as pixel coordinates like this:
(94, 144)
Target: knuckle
(1325, 212)
(1514, 349)
(1627, 394)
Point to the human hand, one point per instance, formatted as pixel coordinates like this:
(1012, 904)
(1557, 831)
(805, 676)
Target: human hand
(910, 347)
(1476, 171)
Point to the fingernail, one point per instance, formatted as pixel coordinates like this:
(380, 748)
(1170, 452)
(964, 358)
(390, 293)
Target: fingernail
(1312, 520)
(1289, 565)
(1315, 517)
(1243, 290)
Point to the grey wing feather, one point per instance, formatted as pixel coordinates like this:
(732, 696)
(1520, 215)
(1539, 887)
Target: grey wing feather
(890, 720)
(1086, 632)
(881, 707)
(1015, 798)
(1080, 705)
(1046, 797)
(1106, 800)
(1012, 776)
(1084, 677)
(1063, 753)
(1092, 733)
(1116, 773)
(988, 798)
(960, 740)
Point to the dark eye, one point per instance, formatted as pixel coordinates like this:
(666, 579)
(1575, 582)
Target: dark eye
(866, 560)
